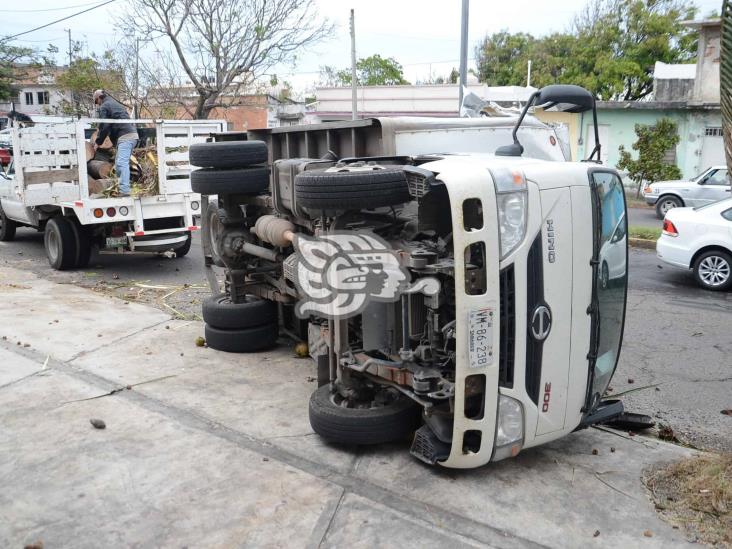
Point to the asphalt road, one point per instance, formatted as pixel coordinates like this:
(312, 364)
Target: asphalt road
(677, 347)
(643, 217)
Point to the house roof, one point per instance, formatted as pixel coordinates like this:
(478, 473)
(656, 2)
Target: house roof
(668, 71)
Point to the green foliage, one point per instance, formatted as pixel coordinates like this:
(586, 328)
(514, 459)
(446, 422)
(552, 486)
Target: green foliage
(10, 55)
(83, 76)
(454, 76)
(652, 144)
(370, 71)
(611, 49)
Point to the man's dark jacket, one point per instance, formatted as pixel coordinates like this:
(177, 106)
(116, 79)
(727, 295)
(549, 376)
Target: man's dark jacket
(111, 109)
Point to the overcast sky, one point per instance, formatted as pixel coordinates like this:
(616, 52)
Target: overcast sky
(422, 35)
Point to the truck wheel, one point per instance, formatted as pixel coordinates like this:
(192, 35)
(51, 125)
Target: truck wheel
(185, 248)
(60, 243)
(213, 231)
(343, 425)
(351, 190)
(245, 340)
(666, 203)
(83, 244)
(220, 312)
(713, 270)
(7, 227)
(227, 154)
(233, 181)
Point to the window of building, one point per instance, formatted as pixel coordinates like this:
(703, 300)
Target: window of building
(28, 98)
(42, 98)
(713, 132)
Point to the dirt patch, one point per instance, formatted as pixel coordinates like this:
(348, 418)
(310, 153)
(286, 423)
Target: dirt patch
(696, 494)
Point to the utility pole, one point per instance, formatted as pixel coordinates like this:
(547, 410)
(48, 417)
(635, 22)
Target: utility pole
(70, 48)
(135, 107)
(74, 100)
(354, 97)
(463, 51)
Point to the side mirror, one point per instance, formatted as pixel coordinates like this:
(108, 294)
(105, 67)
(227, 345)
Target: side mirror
(561, 97)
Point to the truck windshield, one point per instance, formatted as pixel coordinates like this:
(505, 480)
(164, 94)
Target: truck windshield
(610, 286)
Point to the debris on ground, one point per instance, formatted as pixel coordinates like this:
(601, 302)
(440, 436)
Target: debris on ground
(597, 533)
(648, 533)
(302, 350)
(37, 545)
(727, 412)
(696, 494)
(200, 342)
(98, 423)
(665, 432)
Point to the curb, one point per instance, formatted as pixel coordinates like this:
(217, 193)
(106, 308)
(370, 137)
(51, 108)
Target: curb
(642, 243)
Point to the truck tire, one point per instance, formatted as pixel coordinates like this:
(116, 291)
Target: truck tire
(83, 244)
(213, 229)
(245, 340)
(713, 270)
(227, 154)
(351, 190)
(362, 426)
(60, 243)
(7, 227)
(667, 202)
(185, 248)
(234, 181)
(220, 312)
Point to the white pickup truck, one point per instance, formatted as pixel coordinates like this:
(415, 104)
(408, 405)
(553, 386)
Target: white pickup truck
(46, 188)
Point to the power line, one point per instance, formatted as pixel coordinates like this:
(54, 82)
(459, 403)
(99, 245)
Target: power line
(59, 20)
(49, 9)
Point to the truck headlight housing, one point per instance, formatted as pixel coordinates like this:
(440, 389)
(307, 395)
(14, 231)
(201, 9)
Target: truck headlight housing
(509, 428)
(511, 201)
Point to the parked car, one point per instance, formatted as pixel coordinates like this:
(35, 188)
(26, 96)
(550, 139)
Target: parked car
(709, 186)
(700, 239)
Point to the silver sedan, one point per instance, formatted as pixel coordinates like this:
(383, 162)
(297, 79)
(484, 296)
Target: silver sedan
(709, 186)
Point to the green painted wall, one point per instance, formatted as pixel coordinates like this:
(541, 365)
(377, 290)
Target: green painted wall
(618, 128)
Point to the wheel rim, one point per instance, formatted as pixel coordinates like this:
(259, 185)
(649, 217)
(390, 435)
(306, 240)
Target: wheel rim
(667, 205)
(53, 245)
(714, 270)
(213, 231)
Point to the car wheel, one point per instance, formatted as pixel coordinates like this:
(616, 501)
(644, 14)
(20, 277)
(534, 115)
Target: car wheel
(666, 203)
(234, 181)
(219, 312)
(228, 154)
(245, 340)
(60, 243)
(185, 247)
(351, 190)
(335, 421)
(83, 244)
(713, 270)
(7, 227)
(604, 276)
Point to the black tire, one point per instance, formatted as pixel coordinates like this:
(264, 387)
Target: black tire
(220, 312)
(351, 190)
(185, 247)
(362, 426)
(7, 227)
(713, 270)
(235, 181)
(83, 242)
(667, 202)
(60, 243)
(228, 154)
(246, 340)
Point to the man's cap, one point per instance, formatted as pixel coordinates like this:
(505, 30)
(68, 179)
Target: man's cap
(98, 94)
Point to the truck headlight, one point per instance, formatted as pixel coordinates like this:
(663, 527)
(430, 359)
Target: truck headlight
(509, 428)
(511, 198)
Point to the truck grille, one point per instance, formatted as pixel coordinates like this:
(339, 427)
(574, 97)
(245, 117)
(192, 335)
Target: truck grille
(534, 298)
(507, 328)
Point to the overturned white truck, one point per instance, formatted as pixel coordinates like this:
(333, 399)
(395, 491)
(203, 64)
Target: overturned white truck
(456, 280)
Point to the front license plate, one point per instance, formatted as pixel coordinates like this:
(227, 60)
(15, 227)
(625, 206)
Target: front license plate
(480, 337)
(116, 241)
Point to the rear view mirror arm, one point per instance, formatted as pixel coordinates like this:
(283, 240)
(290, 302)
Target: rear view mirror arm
(598, 146)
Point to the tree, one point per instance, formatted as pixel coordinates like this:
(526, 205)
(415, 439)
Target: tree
(10, 57)
(221, 46)
(611, 49)
(652, 145)
(370, 71)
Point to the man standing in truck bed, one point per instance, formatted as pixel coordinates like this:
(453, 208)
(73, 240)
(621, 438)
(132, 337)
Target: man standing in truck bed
(123, 136)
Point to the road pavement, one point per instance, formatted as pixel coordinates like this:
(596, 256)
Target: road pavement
(644, 217)
(208, 449)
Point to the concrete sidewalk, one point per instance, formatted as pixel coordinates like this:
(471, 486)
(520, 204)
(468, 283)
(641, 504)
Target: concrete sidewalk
(209, 449)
